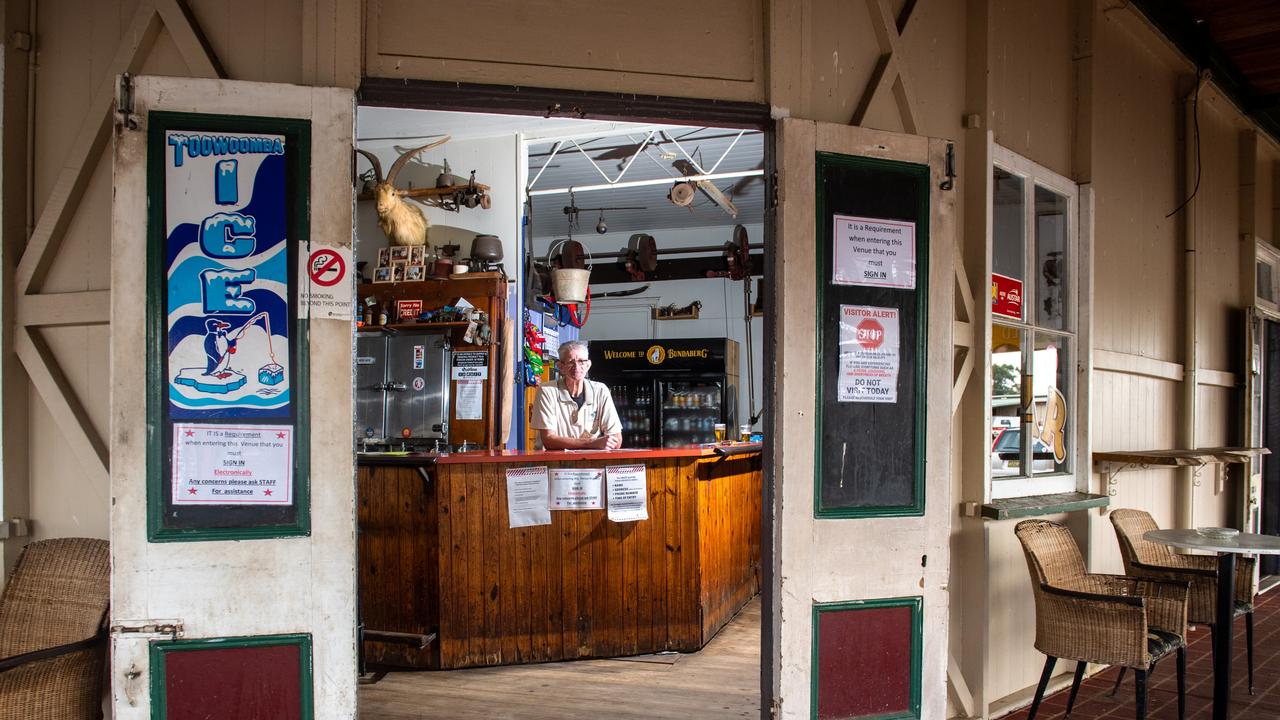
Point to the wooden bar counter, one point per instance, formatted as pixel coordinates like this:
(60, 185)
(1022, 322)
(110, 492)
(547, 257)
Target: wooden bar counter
(445, 583)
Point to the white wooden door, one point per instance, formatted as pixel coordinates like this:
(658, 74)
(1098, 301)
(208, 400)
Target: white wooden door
(861, 461)
(232, 478)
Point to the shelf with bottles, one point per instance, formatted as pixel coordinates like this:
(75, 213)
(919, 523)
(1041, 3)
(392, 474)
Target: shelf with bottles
(701, 408)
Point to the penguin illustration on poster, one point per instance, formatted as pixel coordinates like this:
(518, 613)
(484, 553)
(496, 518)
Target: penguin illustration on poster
(227, 271)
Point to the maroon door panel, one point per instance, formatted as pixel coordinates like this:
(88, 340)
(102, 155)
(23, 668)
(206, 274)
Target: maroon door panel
(234, 681)
(864, 662)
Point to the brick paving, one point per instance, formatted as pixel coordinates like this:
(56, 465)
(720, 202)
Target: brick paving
(1094, 701)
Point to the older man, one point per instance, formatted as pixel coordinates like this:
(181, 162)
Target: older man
(574, 412)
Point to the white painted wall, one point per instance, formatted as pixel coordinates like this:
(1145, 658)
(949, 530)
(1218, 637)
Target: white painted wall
(496, 162)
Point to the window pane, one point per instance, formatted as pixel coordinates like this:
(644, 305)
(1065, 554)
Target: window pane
(1006, 391)
(1265, 290)
(1053, 275)
(1008, 248)
(1050, 384)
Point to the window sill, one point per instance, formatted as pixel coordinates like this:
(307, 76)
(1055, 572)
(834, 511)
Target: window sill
(1037, 505)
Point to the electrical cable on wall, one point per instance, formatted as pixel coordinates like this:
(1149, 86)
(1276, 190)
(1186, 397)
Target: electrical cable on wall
(1201, 78)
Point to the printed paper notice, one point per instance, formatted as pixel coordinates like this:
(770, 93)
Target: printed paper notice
(551, 341)
(470, 400)
(527, 503)
(628, 493)
(325, 286)
(577, 489)
(470, 366)
(232, 464)
(869, 354)
(874, 252)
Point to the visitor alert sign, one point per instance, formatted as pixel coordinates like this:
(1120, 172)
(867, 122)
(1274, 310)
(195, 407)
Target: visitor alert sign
(869, 354)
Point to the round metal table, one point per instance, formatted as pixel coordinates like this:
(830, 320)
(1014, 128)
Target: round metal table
(1227, 549)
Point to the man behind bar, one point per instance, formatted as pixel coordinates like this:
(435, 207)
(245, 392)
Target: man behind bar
(573, 412)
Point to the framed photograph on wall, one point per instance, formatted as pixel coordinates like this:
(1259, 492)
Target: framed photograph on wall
(382, 275)
(384, 257)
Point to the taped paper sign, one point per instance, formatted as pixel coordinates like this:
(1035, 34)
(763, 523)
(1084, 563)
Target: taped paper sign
(869, 354)
(232, 464)
(324, 283)
(576, 489)
(873, 252)
(527, 502)
(628, 493)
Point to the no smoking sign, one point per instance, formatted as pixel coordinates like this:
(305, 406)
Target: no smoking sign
(324, 283)
(326, 267)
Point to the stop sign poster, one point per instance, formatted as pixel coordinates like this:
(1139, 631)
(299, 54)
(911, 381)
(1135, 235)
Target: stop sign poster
(869, 354)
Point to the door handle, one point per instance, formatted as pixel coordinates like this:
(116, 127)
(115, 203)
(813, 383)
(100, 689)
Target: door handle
(398, 387)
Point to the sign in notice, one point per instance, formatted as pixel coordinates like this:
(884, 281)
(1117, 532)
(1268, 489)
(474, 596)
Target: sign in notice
(869, 354)
(576, 489)
(527, 502)
(874, 252)
(325, 286)
(628, 493)
(232, 464)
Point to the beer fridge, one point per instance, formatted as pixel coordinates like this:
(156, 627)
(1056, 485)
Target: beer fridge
(670, 392)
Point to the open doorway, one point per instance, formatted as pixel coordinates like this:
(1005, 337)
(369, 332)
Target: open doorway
(646, 242)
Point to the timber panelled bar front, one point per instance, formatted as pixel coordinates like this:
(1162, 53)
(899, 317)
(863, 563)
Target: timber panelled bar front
(446, 581)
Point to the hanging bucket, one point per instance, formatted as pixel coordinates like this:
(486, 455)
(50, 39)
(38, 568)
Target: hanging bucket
(570, 284)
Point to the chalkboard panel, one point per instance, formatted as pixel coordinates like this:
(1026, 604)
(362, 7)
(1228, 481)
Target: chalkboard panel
(870, 424)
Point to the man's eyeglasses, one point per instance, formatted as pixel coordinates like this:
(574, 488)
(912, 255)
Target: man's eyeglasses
(576, 362)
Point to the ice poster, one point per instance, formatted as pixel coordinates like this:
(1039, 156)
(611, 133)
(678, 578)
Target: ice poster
(873, 252)
(628, 493)
(869, 354)
(227, 267)
(527, 500)
(232, 464)
(576, 489)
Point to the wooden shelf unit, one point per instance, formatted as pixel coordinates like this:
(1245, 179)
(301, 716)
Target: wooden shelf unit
(487, 292)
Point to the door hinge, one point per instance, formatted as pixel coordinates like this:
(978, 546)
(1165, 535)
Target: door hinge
(950, 169)
(171, 629)
(773, 195)
(124, 102)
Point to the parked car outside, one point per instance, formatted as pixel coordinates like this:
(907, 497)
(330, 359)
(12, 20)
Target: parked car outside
(1005, 460)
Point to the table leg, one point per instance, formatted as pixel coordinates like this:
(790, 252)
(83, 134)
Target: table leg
(1222, 635)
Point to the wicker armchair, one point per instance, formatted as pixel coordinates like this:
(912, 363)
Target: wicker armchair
(1145, 559)
(1104, 619)
(52, 631)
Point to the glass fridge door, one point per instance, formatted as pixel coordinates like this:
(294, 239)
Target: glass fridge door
(690, 411)
(634, 402)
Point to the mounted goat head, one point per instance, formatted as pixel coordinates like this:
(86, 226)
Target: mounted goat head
(403, 223)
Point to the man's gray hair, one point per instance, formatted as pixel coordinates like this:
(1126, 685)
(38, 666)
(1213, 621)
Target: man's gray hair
(566, 347)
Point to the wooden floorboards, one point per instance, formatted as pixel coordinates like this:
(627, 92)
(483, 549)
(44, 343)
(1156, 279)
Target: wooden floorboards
(721, 681)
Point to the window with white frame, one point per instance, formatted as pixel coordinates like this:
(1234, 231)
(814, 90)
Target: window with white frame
(1267, 277)
(1034, 257)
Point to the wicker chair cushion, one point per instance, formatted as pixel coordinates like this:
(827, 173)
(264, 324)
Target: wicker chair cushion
(57, 594)
(1161, 643)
